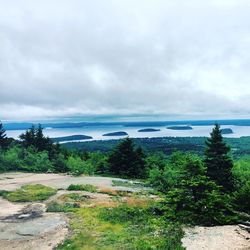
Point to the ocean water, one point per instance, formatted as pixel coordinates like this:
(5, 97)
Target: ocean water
(97, 132)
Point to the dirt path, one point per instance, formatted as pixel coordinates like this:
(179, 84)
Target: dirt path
(216, 238)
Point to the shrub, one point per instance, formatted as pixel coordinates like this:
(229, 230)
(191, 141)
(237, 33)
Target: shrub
(77, 166)
(168, 174)
(10, 160)
(82, 187)
(55, 207)
(36, 161)
(197, 199)
(241, 173)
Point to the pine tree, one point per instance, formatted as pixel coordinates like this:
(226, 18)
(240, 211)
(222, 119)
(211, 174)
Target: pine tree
(217, 160)
(3, 137)
(34, 137)
(127, 160)
(197, 199)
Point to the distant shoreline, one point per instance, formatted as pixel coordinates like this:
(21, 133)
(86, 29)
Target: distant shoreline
(27, 125)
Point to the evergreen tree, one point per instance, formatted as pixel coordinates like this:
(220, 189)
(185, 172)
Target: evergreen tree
(197, 199)
(125, 159)
(28, 138)
(34, 137)
(217, 160)
(3, 138)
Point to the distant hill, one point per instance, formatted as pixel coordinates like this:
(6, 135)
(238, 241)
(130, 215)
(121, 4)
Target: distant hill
(71, 138)
(186, 127)
(26, 125)
(119, 133)
(148, 130)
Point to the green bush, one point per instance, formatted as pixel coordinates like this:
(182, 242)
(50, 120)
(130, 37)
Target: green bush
(77, 166)
(10, 160)
(241, 173)
(168, 174)
(82, 187)
(36, 161)
(145, 229)
(197, 199)
(55, 207)
(99, 161)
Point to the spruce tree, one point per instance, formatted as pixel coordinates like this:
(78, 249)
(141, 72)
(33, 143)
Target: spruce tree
(127, 160)
(3, 137)
(217, 160)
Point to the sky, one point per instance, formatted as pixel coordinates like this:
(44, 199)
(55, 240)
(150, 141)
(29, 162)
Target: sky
(169, 58)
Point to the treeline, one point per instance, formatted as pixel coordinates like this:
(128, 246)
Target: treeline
(200, 189)
(167, 145)
(34, 152)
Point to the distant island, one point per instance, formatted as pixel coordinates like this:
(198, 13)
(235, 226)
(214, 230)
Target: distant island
(148, 130)
(71, 138)
(185, 127)
(226, 131)
(119, 133)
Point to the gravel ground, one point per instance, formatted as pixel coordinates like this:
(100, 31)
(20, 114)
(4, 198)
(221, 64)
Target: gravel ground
(216, 238)
(12, 181)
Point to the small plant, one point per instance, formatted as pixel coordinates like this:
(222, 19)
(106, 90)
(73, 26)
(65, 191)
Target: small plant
(55, 207)
(82, 187)
(129, 184)
(27, 193)
(74, 197)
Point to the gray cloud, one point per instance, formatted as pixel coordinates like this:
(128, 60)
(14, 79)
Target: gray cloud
(124, 57)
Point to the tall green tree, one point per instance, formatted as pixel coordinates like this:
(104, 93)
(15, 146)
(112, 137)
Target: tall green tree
(127, 160)
(218, 161)
(197, 199)
(3, 138)
(35, 138)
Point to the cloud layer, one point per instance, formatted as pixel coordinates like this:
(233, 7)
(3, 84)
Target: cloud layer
(79, 57)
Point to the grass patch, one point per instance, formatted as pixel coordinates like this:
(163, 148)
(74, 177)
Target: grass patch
(36, 192)
(56, 207)
(113, 192)
(121, 227)
(74, 197)
(82, 187)
(129, 184)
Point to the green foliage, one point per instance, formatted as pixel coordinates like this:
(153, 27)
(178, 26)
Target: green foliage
(218, 162)
(198, 200)
(242, 198)
(36, 161)
(35, 138)
(241, 173)
(4, 142)
(122, 227)
(82, 187)
(143, 221)
(11, 159)
(17, 158)
(129, 184)
(126, 160)
(99, 161)
(27, 193)
(54, 207)
(59, 163)
(168, 173)
(77, 166)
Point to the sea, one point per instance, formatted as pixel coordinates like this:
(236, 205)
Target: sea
(97, 131)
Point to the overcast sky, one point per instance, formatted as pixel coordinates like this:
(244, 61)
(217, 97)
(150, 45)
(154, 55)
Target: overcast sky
(187, 58)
